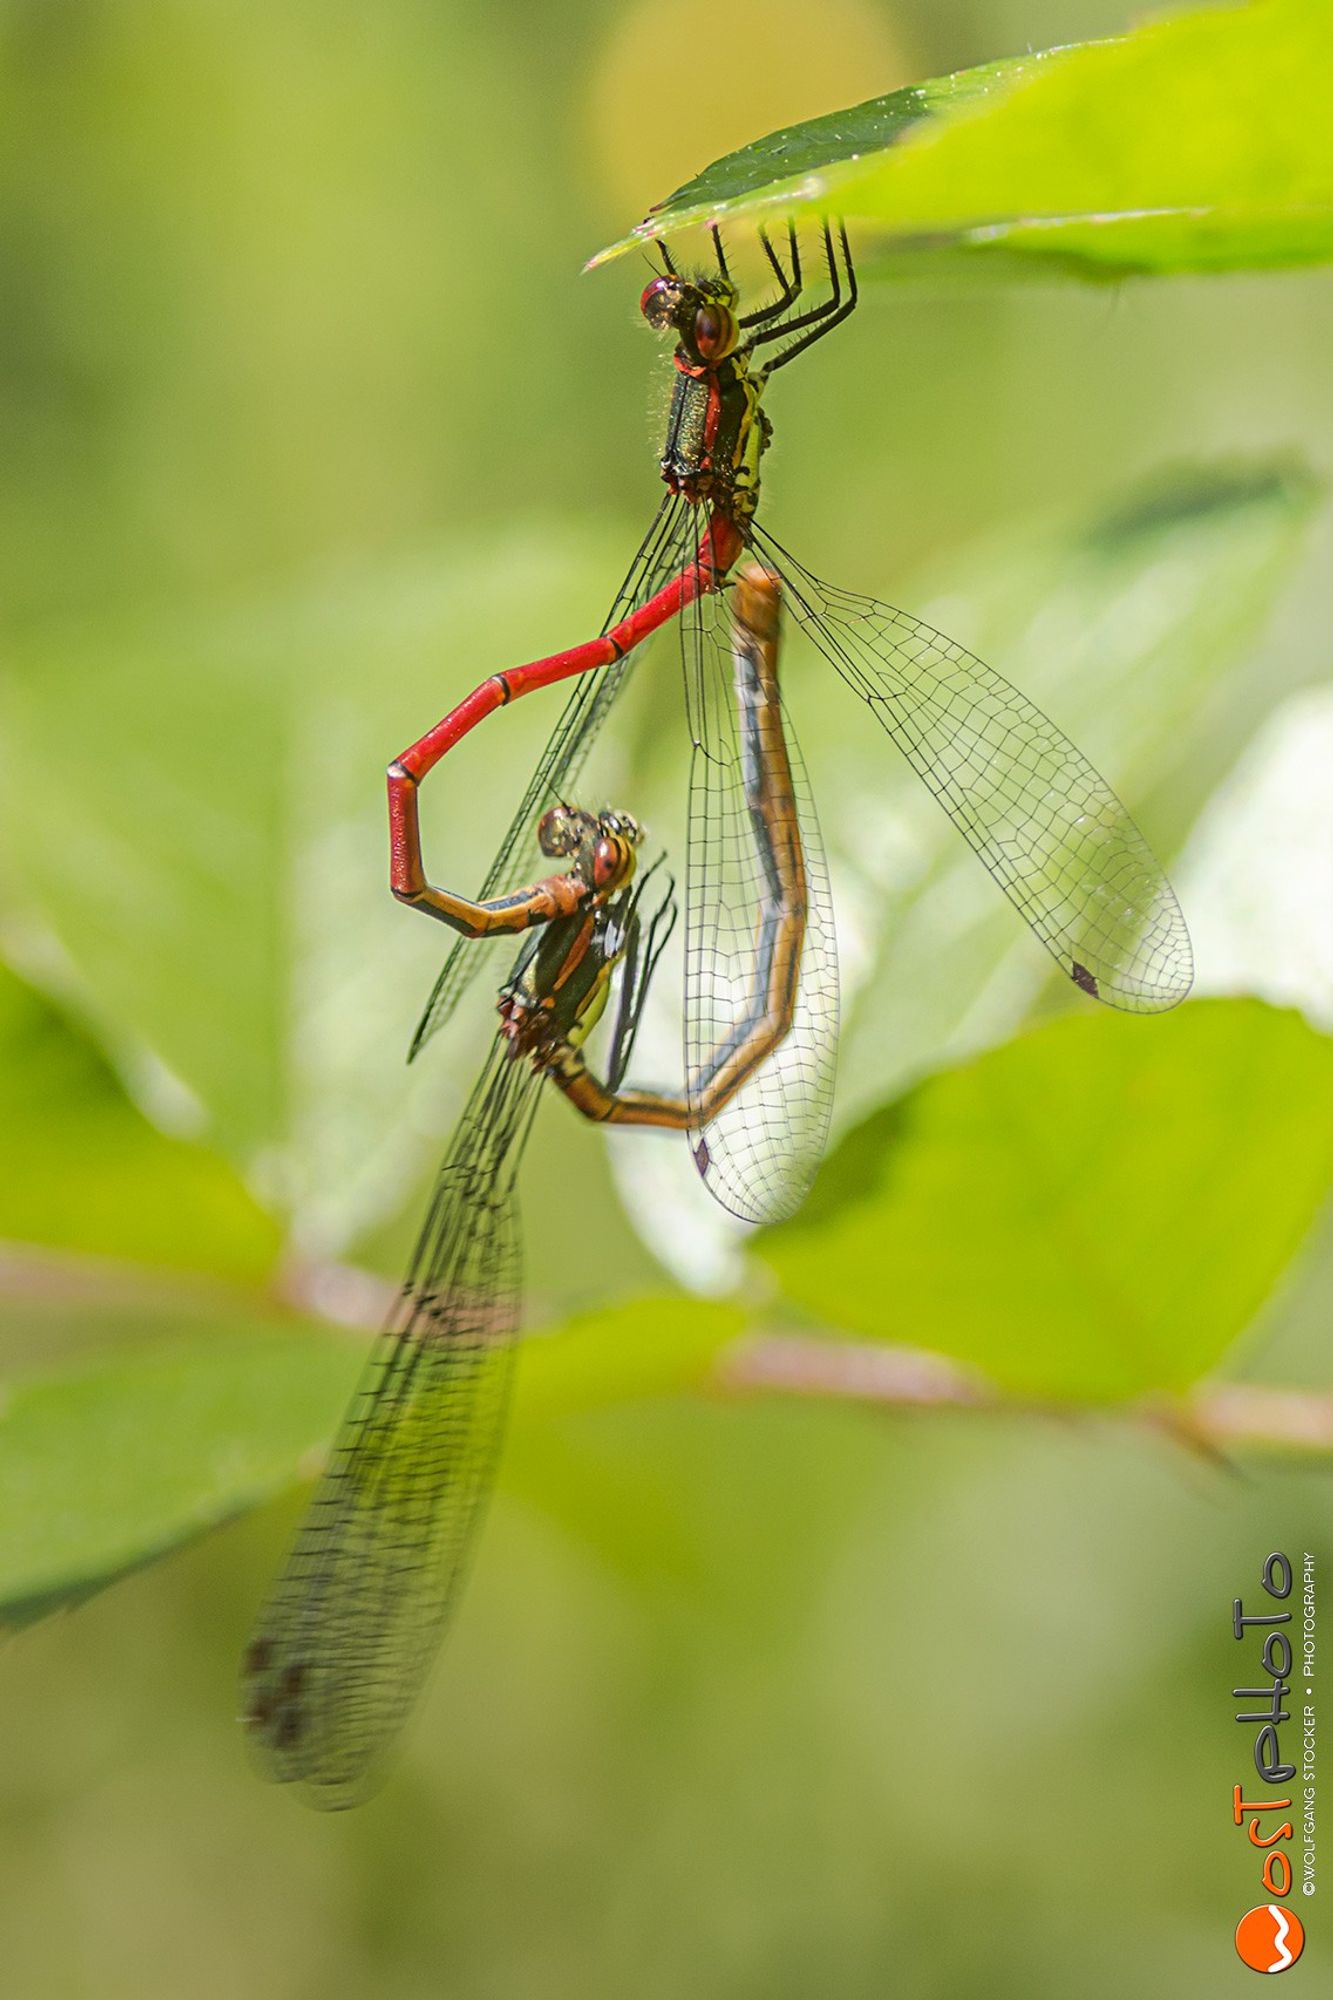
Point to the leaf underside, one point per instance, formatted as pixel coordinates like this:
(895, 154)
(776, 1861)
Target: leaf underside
(1195, 143)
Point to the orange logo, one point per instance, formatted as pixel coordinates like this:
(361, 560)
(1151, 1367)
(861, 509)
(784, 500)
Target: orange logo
(1270, 1938)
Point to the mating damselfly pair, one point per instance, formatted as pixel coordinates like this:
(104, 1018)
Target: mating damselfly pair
(355, 1618)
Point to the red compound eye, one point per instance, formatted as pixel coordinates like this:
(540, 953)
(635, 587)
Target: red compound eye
(606, 862)
(657, 302)
(714, 332)
(558, 831)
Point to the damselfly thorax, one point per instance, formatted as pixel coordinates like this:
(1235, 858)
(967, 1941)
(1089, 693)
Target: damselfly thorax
(559, 986)
(716, 432)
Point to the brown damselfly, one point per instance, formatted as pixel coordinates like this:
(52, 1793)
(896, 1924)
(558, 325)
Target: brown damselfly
(356, 1616)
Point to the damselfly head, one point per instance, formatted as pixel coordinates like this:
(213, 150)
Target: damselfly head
(613, 857)
(662, 301)
(564, 830)
(622, 823)
(601, 845)
(699, 311)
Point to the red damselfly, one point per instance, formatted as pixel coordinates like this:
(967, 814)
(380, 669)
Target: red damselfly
(1049, 829)
(354, 1620)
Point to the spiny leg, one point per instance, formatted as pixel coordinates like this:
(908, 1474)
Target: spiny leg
(815, 313)
(820, 319)
(792, 286)
(718, 252)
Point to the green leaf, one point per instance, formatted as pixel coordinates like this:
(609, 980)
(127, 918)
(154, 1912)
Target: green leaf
(82, 1169)
(219, 890)
(1196, 143)
(1093, 1211)
(653, 1347)
(830, 141)
(108, 1465)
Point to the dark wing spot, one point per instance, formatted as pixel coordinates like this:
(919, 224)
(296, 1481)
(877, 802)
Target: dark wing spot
(258, 1656)
(291, 1728)
(260, 1713)
(703, 1159)
(1085, 979)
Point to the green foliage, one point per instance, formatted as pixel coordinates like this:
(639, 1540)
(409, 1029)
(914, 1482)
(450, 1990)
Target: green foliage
(1195, 143)
(109, 1464)
(1090, 1212)
(81, 1169)
(757, 170)
(218, 887)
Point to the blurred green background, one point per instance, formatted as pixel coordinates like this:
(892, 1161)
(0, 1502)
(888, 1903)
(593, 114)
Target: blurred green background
(310, 422)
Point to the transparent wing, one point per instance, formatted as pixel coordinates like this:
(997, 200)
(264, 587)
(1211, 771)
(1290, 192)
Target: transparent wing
(759, 939)
(351, 1627)
(665, 549)
(1050, 830)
